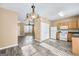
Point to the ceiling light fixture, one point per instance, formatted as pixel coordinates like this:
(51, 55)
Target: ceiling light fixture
(61, 14)
(30, 17)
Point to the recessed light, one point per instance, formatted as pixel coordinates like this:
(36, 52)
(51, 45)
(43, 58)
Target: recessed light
(61, 14)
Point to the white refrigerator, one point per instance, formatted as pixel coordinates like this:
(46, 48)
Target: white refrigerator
(53, 32)
(63, 33)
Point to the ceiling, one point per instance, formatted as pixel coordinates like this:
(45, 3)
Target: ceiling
(47, 10)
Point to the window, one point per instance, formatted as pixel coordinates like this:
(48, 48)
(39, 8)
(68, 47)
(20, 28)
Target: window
(28, 28)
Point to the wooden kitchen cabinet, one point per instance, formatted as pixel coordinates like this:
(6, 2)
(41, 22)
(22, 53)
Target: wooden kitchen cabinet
(75, 45)
(58, 35)
(72, 24)
(69, 37)
(62, 23)
(78, 23)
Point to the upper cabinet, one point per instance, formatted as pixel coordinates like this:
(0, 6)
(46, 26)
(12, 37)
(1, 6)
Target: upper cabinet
(78, 23)
(72, 24)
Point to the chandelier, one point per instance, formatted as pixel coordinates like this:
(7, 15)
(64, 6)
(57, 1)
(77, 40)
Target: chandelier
(33, 14)
(30, 17)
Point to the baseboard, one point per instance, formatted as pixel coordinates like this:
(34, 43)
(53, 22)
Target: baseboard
(13, 45)
(37, 40)
(40, 40)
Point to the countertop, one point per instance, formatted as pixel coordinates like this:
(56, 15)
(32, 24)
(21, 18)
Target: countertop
(76, 35)
(69, 30)
(75, 32)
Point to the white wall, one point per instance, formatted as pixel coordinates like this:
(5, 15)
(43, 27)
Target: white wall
(44, 31)
(8, 29)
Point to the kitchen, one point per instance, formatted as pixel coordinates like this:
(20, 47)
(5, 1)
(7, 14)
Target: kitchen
(67, 30)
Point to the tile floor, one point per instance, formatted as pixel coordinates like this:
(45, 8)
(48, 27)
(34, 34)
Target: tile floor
(28, 47)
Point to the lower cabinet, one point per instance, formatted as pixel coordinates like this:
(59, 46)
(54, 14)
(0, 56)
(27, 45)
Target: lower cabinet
(58, 35)
(75, 45)
(69, 37)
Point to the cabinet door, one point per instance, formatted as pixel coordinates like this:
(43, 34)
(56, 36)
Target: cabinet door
(58, 35)
(72, 24)
(69, 37)
(75, 46)
(62, 23)
(78, 23)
